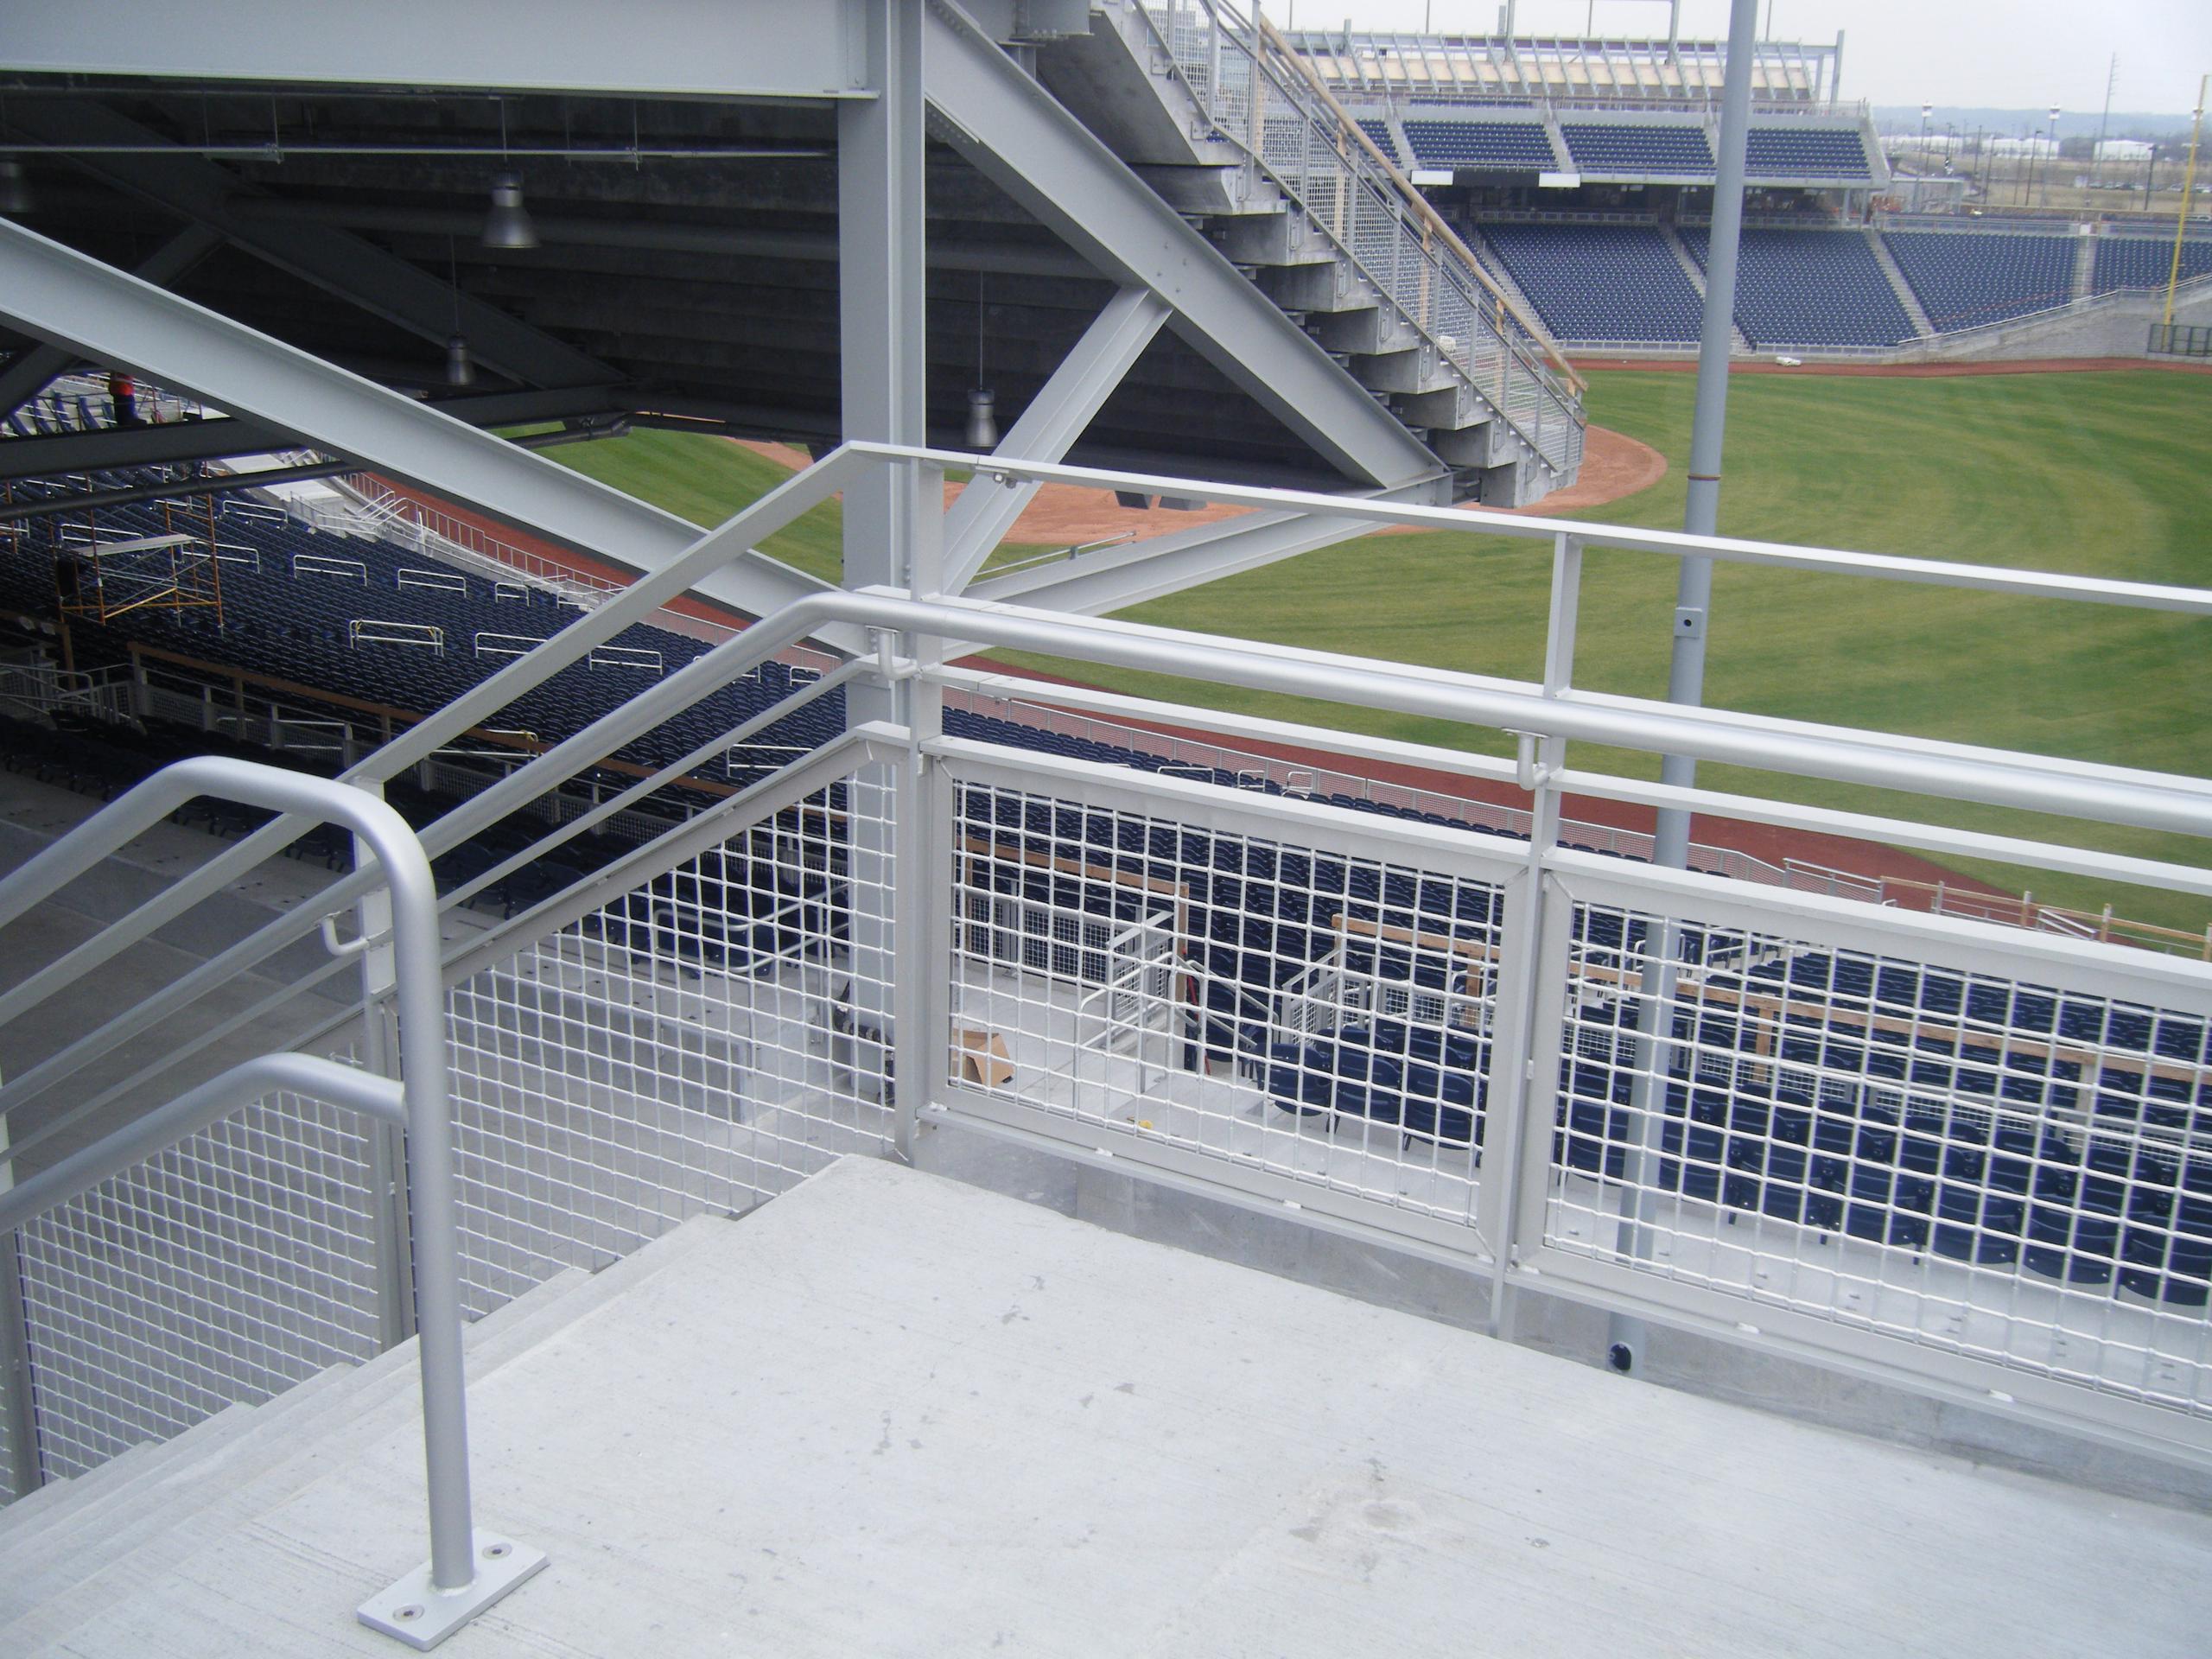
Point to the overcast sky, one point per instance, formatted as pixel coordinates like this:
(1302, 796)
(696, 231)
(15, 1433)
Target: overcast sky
(2028, 54)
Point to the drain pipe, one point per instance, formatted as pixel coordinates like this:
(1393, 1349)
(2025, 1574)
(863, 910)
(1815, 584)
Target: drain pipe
(1624, 1337)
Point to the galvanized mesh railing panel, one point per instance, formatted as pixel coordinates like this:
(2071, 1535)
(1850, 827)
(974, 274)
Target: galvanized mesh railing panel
(1954, 1150)
(8, 1492)
(236, 1264)
(1288, 1011)
(697, 1043)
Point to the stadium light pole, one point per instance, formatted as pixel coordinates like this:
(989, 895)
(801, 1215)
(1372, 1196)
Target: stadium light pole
(1625, 1336)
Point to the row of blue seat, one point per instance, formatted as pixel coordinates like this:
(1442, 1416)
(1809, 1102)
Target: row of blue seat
(1814, 287)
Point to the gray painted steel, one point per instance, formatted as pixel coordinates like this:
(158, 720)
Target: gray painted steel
(1019, 136)
(23, 378)
(986, 509)
(738, 48)
(62, 295)
(335, 261)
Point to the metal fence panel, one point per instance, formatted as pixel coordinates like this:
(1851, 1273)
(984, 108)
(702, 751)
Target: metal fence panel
(237, 1262)
(697, 1043)
(1979, 1156)
(1291, 1000)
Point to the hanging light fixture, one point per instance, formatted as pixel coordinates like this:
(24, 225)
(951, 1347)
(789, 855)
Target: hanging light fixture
(982, 412)
(461, 371)
(983, 420)
(507, 224)
(14, 189)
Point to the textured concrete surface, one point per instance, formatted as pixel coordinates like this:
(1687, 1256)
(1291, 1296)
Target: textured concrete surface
(888, 1413)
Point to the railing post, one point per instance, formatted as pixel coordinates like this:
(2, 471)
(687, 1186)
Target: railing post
(26, 1472)
(919, 1002)
(395, 1277)
(1519, 1048)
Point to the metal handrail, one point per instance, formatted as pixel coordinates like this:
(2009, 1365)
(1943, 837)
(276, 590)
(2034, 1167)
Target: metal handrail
(1943, 770)
(402, 869)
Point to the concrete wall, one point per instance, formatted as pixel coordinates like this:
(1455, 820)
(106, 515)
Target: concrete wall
(2119, 326)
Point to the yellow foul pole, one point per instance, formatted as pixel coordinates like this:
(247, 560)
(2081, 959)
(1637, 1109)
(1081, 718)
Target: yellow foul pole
(2188, 196)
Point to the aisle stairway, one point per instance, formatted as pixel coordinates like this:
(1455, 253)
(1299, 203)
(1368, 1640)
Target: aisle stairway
(67, 1549)
(1231, 137)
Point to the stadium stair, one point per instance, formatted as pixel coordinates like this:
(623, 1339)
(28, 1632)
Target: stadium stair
(2085, 265)
(1695, 272)
(1122, 81)
(64, 1548)
(1923, 325)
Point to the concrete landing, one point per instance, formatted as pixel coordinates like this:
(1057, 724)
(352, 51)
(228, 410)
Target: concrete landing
(887, 1414)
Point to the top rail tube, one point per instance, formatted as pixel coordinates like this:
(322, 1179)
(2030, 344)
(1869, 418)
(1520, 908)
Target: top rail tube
(1947, 770)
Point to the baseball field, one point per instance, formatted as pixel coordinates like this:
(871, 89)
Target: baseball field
(2105, 473)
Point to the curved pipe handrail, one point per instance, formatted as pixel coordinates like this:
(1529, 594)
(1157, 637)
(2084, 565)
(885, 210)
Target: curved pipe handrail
(403, 869)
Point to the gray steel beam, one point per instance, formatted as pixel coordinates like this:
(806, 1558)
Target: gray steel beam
(1116, 578)
(25, 377)
(62, 295)
(1056, 417)
(338, 263)
(882, 315)
(138, 446)
(733, 49)
(1021, 137)
(814, 247)
(146, 446)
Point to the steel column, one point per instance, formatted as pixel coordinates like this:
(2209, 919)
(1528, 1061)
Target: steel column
(882, 369)
(1693, 597)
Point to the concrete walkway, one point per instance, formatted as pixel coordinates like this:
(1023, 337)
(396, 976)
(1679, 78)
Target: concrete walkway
(887, 1414)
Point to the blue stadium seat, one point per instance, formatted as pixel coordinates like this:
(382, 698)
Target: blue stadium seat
(1607, 148)
(1601, 282)
(1964, 278)
(1814, 152)
(1811, 289)
(2126, 261)
(1515, 146)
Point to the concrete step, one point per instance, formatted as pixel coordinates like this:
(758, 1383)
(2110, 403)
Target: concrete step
(1922, 324)
(157, 1470)
(253, 1472)
(110, 1494)
(208, 1459)
(70, 1496)
(35, 1501)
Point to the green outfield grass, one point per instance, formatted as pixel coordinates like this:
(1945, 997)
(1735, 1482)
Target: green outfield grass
(705, 479)
(2101, 474)
(2098, 474)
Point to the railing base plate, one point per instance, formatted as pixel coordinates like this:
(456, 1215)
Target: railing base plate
(422, 1617)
